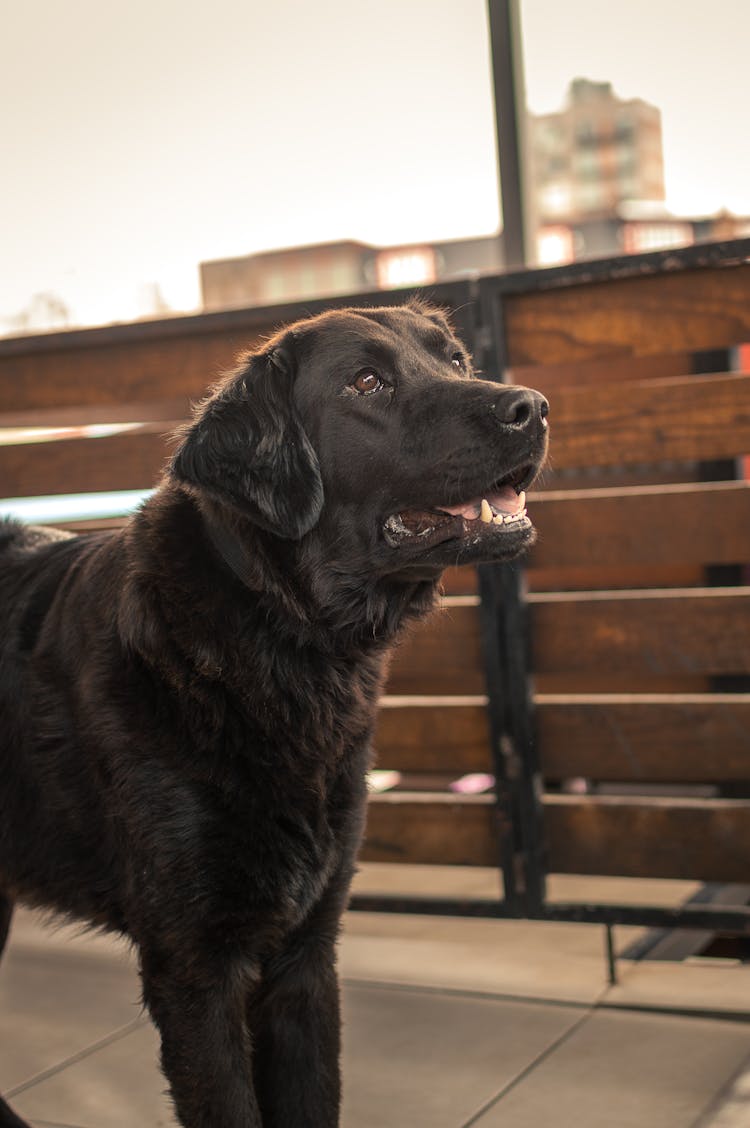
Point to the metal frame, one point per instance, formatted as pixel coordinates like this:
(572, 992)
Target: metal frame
(504, 18)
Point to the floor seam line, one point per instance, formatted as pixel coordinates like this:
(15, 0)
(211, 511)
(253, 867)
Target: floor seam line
(87, 1051)
(601, 1002)
(712, 1110)
(465, 993)
(54, 1124)
(538, 1060)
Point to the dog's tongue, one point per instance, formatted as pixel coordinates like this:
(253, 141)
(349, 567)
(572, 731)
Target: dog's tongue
(505, 501)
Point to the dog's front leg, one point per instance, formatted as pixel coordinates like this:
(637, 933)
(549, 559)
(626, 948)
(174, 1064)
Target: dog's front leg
(295, 1027)
(205, 1047)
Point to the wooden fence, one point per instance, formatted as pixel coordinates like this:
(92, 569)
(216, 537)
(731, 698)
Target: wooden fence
(637, 620)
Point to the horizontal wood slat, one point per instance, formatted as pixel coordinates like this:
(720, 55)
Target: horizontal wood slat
(679, 631)
(616, 681)
(555, 479)
(686, 311)
(442, 655)
(614, 357)
(433, 734)
(680, 839)
(697, 417)
(175, 356)
(705, 417)
(646, 634)
(460, 581)
(87, 415)
(92, 525)
(549, 378)
(121, 368)
(698, 840)
(692, 524)
(613, 577)
(431, 829)
(651, 738)
(656, 738)
(132, 460)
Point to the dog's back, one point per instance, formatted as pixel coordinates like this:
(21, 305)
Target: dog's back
(45, 777)
(32, 562)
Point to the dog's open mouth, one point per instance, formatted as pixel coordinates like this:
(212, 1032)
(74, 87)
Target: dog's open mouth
(501, 509)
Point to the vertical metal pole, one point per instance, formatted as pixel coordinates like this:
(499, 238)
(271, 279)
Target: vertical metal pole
(522, 769)
(504, 760)
(508, 656)
(517, 787)
(510, 124)
(611, 959)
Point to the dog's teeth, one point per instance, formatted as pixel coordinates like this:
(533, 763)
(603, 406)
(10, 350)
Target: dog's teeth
(498, 520)
(485, 513)
(514, 517)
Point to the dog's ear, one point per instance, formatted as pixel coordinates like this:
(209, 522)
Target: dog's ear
(247, 448)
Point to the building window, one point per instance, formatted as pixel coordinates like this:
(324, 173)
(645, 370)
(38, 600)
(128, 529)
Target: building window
(656, 236)
(408, 266)
(591, 197)
(588, 164)
(554, 245)
(586, 133)
(556, 199)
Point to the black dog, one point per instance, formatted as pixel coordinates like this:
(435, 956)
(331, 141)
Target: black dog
(186, 705)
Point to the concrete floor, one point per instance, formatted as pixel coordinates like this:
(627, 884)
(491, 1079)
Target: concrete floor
(447, 1023)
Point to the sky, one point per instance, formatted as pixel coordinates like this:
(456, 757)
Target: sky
(142, 138)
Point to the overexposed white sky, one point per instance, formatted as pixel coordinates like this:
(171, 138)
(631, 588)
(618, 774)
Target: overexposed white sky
(139, 139)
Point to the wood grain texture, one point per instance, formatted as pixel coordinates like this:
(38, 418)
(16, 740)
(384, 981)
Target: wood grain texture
(679, 631)
(612, 577)
(604, 680)
(433, 734)
(443, 654)
(658, 313)
(680, 839)
(685, 524)
(691, 418)
(122, 368)
(132, 460)
(683, 839)
(550, 378)
(84, 415)
(554, 479)
(659, 738)
(460, 581)
(174, 356)
(431, 829)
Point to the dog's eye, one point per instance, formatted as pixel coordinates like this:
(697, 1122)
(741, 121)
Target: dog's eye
(367, 381)
(457, 360)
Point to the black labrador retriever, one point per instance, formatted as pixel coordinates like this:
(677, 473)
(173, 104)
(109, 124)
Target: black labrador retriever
(186, 705)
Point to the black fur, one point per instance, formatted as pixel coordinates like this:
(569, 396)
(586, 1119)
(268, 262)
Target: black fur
(186, 705)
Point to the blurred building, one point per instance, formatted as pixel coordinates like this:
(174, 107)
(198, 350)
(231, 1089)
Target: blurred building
(327, 269)
(598, 183)
(634, 227)
(595, 154)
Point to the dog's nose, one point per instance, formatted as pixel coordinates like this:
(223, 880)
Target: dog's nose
(520, 408)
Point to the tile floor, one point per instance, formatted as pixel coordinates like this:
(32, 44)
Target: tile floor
(448, 1023)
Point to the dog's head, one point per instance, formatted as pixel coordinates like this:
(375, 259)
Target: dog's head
(368, 429)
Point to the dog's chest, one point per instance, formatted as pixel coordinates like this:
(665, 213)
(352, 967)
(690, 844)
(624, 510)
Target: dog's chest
(293, 795)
